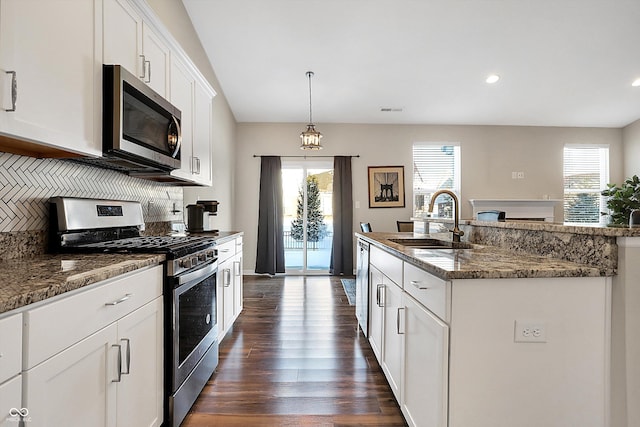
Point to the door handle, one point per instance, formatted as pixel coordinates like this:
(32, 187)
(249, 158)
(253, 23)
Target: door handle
(418, 285)
(378, 298)
(128, 354)
(119, 301)
(398, 320)
(236, 264)
(14, 91)
(148, 64)
(226, 274)
(119, 347)
(144, 71)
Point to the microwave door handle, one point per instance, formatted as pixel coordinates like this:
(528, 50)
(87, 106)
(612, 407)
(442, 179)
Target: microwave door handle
(176, 149)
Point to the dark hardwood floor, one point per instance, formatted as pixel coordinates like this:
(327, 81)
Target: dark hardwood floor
(295, 358)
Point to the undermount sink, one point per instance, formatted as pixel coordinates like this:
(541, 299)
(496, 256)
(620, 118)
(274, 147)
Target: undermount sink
(431, 244)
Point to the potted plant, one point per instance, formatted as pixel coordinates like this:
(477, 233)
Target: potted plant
(622, 200)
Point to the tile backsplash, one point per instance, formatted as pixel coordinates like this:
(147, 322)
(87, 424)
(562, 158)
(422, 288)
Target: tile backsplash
(26, 183)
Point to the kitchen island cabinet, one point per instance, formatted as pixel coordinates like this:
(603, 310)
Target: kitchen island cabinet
(478, 350)
(229, 284)
(51, 74)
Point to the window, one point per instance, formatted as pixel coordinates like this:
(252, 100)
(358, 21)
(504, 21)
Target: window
(586, 173)
(435, 167)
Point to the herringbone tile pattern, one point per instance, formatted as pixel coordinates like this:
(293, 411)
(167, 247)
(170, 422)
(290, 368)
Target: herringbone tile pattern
(26, 183)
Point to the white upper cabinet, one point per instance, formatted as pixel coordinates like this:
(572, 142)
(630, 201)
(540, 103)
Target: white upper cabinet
(132, 43)
(50, 74)
(195, 102)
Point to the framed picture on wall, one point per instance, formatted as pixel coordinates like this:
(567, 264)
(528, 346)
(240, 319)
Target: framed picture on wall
(386, 186)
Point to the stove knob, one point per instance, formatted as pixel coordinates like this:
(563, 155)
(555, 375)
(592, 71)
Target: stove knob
(185, 263)
(194, 261)
(202, 257)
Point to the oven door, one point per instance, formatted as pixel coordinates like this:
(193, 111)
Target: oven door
(194, 327)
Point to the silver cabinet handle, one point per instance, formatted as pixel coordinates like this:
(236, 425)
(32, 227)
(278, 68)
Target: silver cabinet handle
(378, 299)
(144, 70)
(119, 347)
(14, 91)
(224, 250)
(418, 285)
(226, 277)
(236, 265)
(398, 320)
(148, 64)
(128, 354)
(118, 301)
(195, 165)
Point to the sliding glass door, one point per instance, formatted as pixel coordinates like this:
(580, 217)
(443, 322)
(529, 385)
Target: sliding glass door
(308, 215)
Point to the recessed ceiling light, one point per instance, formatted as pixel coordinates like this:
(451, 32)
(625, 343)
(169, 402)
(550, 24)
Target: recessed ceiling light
(636, 83)
(492, 78)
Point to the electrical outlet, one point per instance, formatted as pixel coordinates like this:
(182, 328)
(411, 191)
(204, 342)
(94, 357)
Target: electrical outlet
(520, 175)
(530, 331)
(514, 175)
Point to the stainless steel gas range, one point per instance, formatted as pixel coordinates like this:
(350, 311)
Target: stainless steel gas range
(190, 318)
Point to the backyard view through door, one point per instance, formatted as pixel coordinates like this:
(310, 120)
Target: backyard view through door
(308, 215)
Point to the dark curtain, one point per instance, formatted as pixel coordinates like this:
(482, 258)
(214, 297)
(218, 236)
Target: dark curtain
(270, 251)
(342, 248)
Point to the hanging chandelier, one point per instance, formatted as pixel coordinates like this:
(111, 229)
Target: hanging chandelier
(310, 137)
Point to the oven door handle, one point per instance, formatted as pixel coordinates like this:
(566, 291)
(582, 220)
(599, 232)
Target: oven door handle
(202, 272)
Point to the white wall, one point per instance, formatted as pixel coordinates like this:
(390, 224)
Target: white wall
(175, 17)
(489, 155)
(631, 139)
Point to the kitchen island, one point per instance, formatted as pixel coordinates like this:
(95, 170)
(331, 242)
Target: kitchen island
(489, 336)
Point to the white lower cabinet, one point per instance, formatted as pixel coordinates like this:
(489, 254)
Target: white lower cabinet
(376, 310)
(76, 388)
(426, 358)
(113, 376)
(229, 284)
(10, 402)
(10, 367)
(393, 337)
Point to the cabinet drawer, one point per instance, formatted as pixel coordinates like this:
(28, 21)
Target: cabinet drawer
(10, 347)
(388, 264)
(428, 290)
(53, 327)
(226, 249)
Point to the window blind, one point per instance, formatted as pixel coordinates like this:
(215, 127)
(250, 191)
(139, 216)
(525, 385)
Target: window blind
(585, 176)
(435, 167)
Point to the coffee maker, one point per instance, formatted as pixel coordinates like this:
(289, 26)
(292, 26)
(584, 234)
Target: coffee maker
(200, 216)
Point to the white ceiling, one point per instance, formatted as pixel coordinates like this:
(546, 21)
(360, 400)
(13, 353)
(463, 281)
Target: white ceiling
(561, 62)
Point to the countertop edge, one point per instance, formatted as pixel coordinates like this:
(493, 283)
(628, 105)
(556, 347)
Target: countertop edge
(560, 269)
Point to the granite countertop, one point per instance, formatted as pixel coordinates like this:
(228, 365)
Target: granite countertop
(25, 281)
(480, 262)
(594, 229)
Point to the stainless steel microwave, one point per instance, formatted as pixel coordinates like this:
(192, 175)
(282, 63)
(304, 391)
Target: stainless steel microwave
(141, 129)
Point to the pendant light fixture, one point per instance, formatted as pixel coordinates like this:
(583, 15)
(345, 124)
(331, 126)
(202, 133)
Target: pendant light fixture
(310, 137)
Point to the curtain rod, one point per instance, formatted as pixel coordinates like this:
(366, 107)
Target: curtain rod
(268, 155)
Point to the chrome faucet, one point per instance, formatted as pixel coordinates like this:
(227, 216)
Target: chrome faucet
(456, 217)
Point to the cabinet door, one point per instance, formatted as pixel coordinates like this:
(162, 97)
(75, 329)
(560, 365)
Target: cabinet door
(182, 88)
(122, 36)
(10, 398)
(393, 336)
(76, 387)
(50, 50)
(237, 285)
(156, 61)
(376, 310)
(424, 402)
(228, 293)
(140, 335)
(202, 135)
